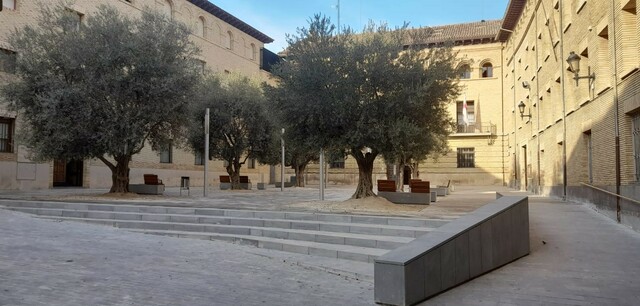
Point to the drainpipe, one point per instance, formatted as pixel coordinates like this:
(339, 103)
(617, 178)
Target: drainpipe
(564, 108)
(504, 182)
(538, 108)
(515, 125)
(615, 112)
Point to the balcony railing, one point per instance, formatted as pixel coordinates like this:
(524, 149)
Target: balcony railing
(476, 128)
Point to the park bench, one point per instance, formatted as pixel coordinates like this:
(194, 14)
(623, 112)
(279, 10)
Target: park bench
(152, 185)
(387, 190)
(225, 182)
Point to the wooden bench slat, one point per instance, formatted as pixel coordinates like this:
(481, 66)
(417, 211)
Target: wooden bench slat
(387, 185)
(151, 179)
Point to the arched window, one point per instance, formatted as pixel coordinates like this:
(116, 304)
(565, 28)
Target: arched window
(465, 71)
(487, 70)
(253, 52)
(200, 27)
(230, 42)
(167, 9)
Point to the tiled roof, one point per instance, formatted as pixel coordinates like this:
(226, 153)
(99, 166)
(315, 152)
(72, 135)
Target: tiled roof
(464, 33)
(232, 20)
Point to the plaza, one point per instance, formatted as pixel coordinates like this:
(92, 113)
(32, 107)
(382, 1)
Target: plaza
(578, 257)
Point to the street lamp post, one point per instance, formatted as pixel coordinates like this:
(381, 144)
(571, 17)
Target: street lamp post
(206, 153)
(282, 166)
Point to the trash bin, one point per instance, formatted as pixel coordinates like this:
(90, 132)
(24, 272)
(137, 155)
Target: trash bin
(184, 185)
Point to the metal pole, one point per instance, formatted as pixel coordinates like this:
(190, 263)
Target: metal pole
(282, 166)
(321, 170)
(206, 153)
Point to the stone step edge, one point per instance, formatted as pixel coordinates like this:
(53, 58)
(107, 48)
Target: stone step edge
(361, 225)
(294, 246)
(240, 211)
(379, 238)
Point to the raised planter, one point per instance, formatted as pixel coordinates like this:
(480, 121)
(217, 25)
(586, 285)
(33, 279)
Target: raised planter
(146, 189)
(406, 197)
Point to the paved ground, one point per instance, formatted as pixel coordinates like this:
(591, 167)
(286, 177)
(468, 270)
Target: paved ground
(587, 260)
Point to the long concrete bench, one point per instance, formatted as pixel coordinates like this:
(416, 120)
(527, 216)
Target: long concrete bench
(488, 238)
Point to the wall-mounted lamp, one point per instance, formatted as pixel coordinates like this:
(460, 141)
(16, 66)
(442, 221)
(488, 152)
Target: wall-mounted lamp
(574, 66)
(521, 107)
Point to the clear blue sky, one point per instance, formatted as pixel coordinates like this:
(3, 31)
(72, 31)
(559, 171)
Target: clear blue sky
(279, 17)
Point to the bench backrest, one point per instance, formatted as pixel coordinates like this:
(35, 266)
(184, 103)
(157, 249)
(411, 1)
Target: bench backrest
(387, 185)
(151, 179)
(420, 187)
(244, 179)
(411, 181)
(225, 179)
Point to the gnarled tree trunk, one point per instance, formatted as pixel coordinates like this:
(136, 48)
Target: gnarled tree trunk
(365, 171)
(299, 169)
(119, 173)
(233, 169)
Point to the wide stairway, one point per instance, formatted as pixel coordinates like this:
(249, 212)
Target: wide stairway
(353, 237)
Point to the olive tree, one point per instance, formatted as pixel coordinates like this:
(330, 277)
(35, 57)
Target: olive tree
(103, 88)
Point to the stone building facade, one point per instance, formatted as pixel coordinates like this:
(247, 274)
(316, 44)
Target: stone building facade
(228, 45)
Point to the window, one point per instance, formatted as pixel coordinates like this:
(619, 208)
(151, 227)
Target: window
(251, 163)
(200, 25)
(230, 40)
(636, 144)
(466, 158)
(7, 61)
(9, 4)
(166, 156)
(6, 135)
(465, 72)
(337, 164)
(629, 39)
(199, 158)
(253, 52)
(202, 65)
(468, 125)
(604, 68)
(487, 70)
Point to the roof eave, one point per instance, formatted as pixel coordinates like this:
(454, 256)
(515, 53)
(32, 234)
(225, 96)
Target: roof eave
(510, 19)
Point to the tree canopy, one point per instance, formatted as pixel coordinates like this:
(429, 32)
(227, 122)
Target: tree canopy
(374, 93)
(239, 126)
(103, 88)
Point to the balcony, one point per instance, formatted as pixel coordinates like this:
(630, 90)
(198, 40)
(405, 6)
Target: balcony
(476, 128)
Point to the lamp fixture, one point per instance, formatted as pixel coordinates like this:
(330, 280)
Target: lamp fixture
(574, 66)
(521, 107)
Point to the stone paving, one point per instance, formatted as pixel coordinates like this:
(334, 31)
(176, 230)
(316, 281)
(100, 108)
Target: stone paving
(578, 257)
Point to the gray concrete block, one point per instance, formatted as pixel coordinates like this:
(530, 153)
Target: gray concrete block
(74, 214)
(127, 216)
(228, 230)
(209, 212)
(270, 245)
(432, 272)
(414, 282)
(214, 220)
(268, 215)
(301, 236)
(389, 286)
(486, 240)
(181, 210)
(153, 209)
(400, 232)
(388, 245)
(100, 207)
(365, 230)
(361, 242)
(462, 257)
(448, 265)
(406, 197)
(434, 196)
(295, 248)
(323, 252)
(146, 189)
(277, 223)
(305, 226)
(75, 206)
(255, 232)
(368, 220)
(275, 234)
(160, 218)
(353, 256)
(300, 216)
(335, 228)
(440, 191)
(187, 227)
(329, 239)
(48, 212)
(124, 208)
(247, 222)
(225, 186)
(475, 252)
(239, 213)
(184, 219)
(334, 218)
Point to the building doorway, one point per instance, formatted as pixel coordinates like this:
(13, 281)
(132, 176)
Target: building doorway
(406, 175)
(68, 173)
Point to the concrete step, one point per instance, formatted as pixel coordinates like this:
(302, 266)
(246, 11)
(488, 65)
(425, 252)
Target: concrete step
(355, 228)
(282, 215)
(295, 246)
